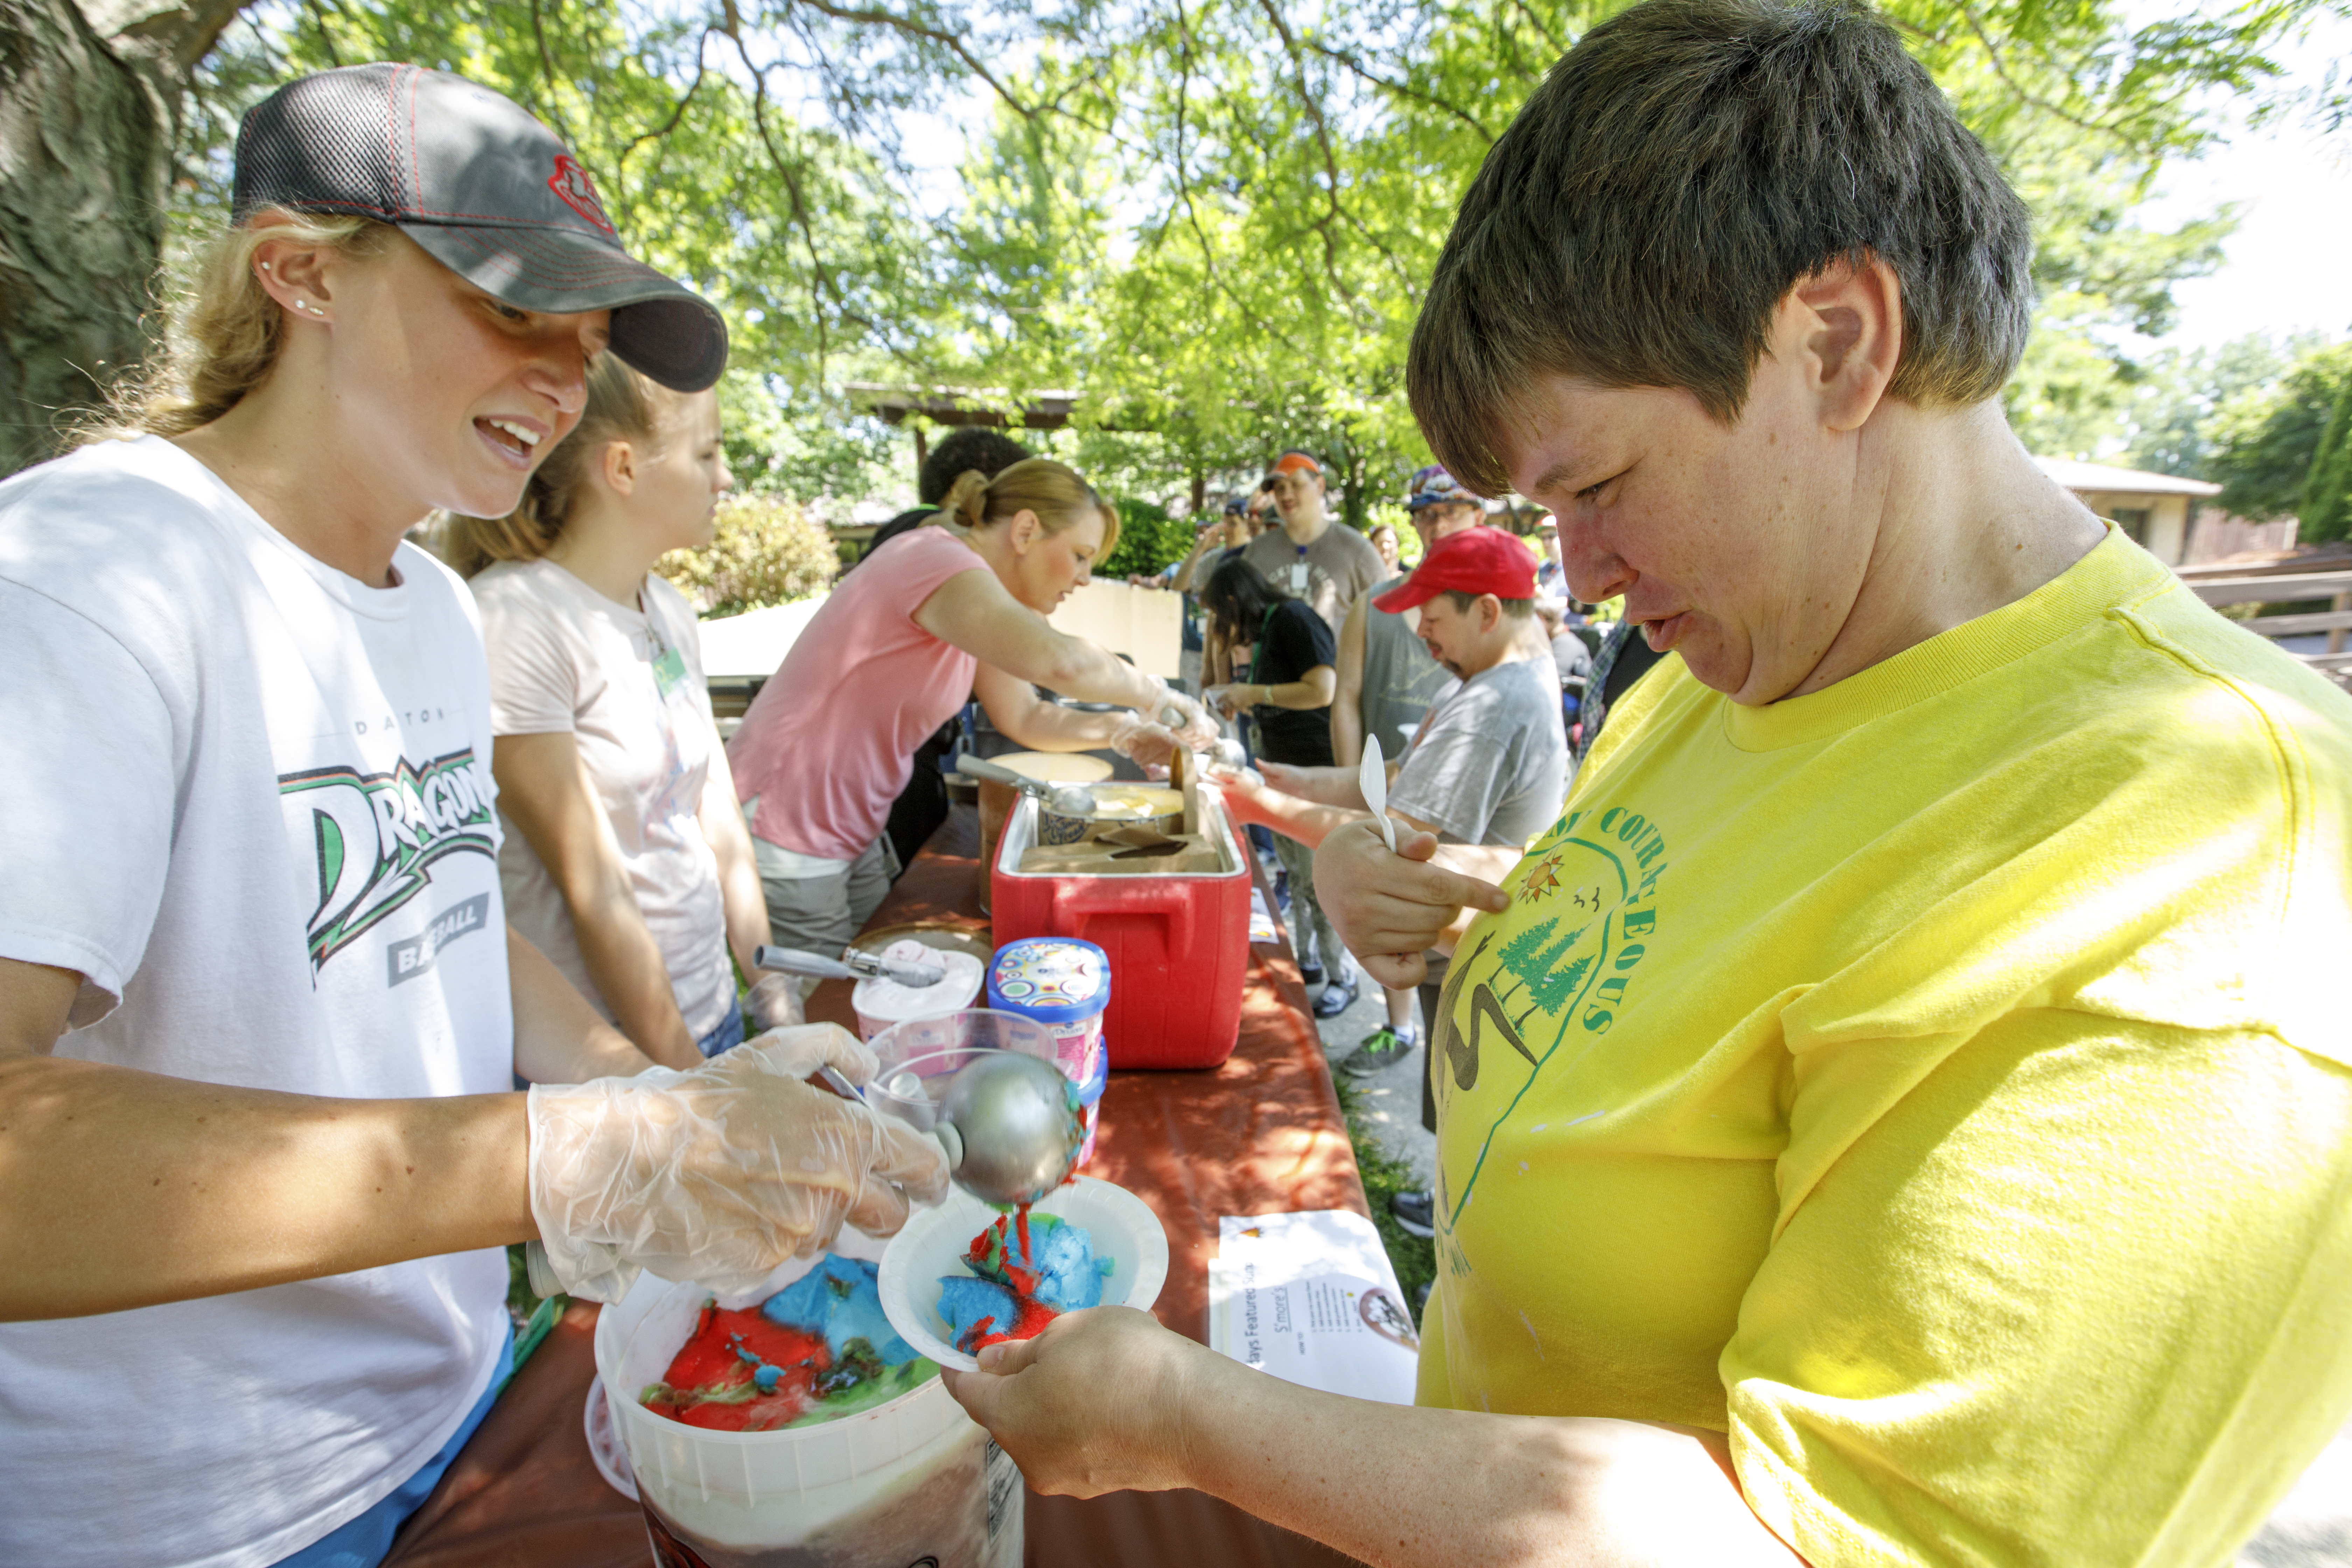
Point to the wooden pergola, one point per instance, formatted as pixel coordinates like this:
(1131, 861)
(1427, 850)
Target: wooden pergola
(991, 406)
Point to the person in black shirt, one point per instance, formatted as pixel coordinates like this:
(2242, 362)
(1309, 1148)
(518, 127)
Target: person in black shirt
(1285, 671)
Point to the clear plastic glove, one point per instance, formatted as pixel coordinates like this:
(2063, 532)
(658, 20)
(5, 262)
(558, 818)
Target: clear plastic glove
(1150, 746)
(717, 1174)
(1192, 725)
(774, 1003)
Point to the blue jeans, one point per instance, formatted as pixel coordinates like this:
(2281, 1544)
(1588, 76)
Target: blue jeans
(361, 1542)
(725, 1035)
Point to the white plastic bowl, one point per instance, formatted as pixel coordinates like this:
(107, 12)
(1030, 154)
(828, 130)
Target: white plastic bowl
(933, 1247)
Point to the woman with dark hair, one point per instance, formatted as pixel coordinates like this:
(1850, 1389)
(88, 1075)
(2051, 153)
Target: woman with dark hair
(1285, 667)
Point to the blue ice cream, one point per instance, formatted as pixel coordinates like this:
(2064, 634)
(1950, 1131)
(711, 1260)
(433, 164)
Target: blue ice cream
(1028, 1274)
(841, 1300)
(1069, 1276)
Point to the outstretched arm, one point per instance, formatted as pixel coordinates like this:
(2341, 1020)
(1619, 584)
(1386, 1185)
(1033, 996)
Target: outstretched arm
(121, 1189)
(972, 611)
(1348, 693)
(1019, 713)
(1384, 1483)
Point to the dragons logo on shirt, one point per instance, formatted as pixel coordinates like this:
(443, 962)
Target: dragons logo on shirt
(376, 837)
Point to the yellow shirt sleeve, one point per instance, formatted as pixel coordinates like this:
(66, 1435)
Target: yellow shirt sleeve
(1945, 1355)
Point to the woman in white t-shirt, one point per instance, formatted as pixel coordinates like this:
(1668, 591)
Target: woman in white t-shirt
(259, 1006)
(632, 870)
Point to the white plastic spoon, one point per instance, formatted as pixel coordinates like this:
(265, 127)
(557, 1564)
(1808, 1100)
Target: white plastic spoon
(1373, 776)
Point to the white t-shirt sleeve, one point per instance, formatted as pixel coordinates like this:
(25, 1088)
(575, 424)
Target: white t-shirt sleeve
(86, 795)
(534, 668)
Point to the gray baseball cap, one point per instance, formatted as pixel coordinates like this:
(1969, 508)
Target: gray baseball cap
(485, 190)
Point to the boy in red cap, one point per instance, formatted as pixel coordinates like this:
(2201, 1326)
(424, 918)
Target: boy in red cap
(1487, 768)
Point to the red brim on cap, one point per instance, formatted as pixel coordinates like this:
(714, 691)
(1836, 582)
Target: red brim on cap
(1408, 594)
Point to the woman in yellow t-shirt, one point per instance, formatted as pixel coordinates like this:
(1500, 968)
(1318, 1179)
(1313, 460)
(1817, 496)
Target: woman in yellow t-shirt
(1900, 1112)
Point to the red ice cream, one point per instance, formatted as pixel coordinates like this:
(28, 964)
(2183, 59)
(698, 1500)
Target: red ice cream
(711, 1385)
(989, 1257)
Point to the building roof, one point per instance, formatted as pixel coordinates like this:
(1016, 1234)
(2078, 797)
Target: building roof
(2105, 481)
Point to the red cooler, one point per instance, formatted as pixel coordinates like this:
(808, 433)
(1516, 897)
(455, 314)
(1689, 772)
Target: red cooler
(1178, 941)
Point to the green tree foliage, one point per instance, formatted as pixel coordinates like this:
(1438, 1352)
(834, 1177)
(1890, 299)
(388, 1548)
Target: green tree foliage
(2177, 406)
(1212, 219)
(2328, 488)
(2267, 445)
(1149, 539)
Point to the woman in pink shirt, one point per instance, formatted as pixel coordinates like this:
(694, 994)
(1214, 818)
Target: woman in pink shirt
(956, 608)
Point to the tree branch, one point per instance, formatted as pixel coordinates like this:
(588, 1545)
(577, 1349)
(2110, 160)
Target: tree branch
(701, 68)
(946, 40)
(1402, 89)
(551, 100)
(2017, 89)
(1323, 142)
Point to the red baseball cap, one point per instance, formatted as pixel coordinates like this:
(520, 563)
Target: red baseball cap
(1475, 561)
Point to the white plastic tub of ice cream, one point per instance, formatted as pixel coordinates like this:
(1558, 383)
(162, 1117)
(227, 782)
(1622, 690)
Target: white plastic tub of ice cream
(883, 1003)
(912, 1480)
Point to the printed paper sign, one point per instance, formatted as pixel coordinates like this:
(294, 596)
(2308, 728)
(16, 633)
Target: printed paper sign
(1311, 1298)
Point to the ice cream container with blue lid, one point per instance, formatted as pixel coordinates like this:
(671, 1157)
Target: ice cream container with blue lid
(1053, 979)
(1065, 984)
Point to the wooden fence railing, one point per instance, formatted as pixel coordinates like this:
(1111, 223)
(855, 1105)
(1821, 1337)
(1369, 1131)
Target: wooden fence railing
(2224, 585)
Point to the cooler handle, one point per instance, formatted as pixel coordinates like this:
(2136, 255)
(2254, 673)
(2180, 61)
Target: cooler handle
(1079, 901)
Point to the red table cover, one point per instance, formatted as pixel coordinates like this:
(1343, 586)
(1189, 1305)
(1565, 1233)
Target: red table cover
(1260, 1135)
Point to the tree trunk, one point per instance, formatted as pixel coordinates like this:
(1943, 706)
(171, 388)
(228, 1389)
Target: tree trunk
(89, 104)
(85, 169)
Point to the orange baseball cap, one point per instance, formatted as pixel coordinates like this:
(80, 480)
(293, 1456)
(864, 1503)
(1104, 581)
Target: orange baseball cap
(1295, 462)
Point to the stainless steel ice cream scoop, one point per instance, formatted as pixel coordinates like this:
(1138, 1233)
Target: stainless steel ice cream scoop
(1070, 800)
(1010, 1125)
(853, 964)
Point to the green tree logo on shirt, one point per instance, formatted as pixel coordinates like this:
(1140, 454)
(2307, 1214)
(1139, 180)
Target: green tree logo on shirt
(1556, 967)
(376, 837)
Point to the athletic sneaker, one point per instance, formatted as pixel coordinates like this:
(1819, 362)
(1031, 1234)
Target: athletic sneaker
(1416, 1212)
(1381, 1049)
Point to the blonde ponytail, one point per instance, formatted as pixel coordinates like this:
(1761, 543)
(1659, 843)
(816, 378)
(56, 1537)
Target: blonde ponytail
(622, 406)
(1052, 491)
(966, 503)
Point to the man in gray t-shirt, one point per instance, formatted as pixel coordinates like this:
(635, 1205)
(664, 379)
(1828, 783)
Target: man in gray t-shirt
(1310, 557)
(1488, 765)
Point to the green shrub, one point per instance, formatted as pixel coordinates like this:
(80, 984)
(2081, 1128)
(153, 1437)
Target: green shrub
(1148, 539)
(767, 552)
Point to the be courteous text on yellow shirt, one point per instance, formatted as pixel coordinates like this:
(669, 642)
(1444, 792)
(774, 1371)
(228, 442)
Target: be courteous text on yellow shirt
(1941, 1082)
